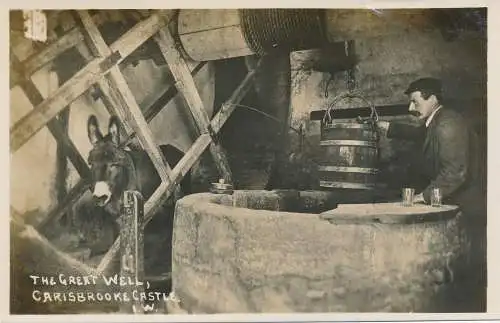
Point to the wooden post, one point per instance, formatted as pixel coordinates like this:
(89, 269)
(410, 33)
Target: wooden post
(132, 251)
(186, 86)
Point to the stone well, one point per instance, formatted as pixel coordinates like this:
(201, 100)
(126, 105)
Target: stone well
(269, 251)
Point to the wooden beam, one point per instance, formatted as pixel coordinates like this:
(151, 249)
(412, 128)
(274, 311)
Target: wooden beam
(49, 53)
(54, 126)
(30, 124)
(115, 88)
(186, 86)
(36, 61)
(192, 155)
(157, 106)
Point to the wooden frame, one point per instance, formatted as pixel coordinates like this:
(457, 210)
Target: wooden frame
(103, 69)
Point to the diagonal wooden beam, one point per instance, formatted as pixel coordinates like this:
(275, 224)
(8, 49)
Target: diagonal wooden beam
(54, 126)
(49, 53)
(115, 88)
(168, 94)
(187, 87)
(191, 156)
(30, 124)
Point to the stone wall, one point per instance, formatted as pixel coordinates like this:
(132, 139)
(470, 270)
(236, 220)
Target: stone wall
(254, 252)
(387, 63)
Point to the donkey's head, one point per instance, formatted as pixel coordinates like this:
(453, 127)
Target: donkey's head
(111, 166)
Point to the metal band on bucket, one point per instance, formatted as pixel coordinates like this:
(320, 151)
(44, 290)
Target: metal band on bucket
(343, 169)
(363, 143)
(347, 125)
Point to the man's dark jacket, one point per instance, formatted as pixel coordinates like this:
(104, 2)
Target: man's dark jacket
(449, 159)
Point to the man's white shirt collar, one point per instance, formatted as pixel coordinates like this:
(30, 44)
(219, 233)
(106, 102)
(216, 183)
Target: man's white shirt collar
(429, 119)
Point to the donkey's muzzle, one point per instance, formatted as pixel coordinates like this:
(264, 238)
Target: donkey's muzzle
(102, 193)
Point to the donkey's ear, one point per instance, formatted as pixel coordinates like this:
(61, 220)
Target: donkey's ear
(93, 130)
(114, 129)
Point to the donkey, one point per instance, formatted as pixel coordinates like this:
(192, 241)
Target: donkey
(114, 169)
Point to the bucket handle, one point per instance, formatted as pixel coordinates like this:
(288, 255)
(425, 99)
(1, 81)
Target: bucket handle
(373, 115)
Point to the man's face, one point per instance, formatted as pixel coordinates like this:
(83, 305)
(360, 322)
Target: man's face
(421, 107)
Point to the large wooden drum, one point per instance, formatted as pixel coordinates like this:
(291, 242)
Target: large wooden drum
(349, 155)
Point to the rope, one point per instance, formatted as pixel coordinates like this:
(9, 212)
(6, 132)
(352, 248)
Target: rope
(268, 30)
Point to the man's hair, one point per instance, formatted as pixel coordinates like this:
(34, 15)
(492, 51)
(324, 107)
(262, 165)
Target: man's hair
(427, 86)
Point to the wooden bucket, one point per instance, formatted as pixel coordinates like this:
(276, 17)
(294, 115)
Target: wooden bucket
(349, 151)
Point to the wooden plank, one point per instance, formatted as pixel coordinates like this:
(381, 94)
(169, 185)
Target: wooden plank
(132, 249)
(53, 125)
(114, 86)
(389, 213)
(30, 124)
(49, 53)
(186, 86)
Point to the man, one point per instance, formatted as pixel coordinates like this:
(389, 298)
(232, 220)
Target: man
(448, 161)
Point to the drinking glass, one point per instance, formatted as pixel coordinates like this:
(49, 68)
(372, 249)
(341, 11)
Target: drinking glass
(408, 194)
(436, 197)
